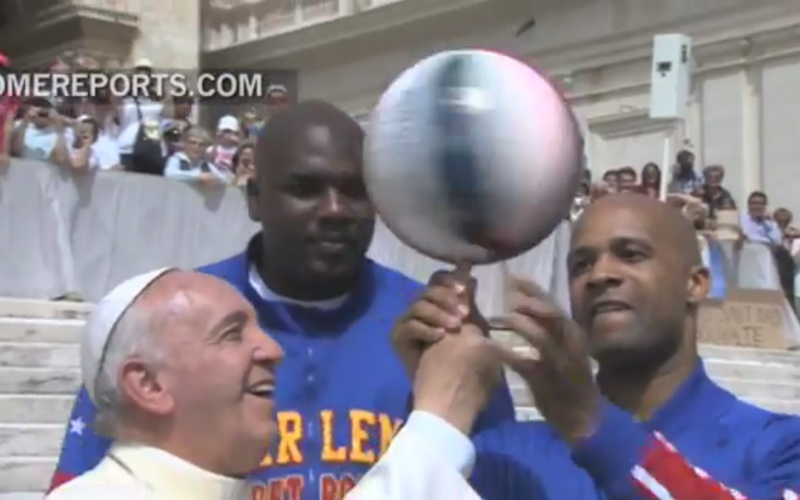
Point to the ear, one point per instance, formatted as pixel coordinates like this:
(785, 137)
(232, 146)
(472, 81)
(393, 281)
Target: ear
(140, 385)
(698, 285)
(251, 191)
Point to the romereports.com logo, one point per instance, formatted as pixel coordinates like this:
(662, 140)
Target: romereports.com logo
(206, 85)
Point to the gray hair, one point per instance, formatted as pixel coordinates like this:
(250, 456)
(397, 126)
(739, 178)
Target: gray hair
(132, 336)
(195, 132)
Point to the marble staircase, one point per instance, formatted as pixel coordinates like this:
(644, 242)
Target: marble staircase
(39, 377)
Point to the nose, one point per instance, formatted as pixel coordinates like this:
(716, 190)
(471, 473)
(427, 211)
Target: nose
(267, 350)
(332, 204)
(605, 273)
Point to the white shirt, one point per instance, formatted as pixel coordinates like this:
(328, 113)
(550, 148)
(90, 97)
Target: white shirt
(103, 153)
(39, 143)
(129, 121)
(174, 170)
(793, 250)
(223, 157)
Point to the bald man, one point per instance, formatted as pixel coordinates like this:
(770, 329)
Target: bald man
(184, 380)
(344, 394)
(651, 425)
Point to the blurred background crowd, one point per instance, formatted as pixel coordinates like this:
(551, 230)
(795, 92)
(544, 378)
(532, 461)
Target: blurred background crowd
(699, 191)
(158, 135)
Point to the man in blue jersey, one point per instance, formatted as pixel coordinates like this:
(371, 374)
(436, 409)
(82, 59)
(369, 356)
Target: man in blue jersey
(342, 393)
(651, 425)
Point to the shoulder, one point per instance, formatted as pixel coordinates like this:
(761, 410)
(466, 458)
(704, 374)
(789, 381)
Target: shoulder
(770, 438)
(233, 269)
(174, 160)
(104, 481)
(386, 276)
(393, 292)
(777, 436)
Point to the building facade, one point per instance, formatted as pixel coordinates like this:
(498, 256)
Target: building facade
(745, 92)
(34, 33)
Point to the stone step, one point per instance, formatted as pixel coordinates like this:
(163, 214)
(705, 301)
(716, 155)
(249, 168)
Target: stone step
(753, 370)
(25, 473)
(26, 308)
(18, 380)
(755, 393)
(769, 356)
(33, 440)
(788, 407)
(706, 350)
(40, 330)
(36, 355)
(40, 409)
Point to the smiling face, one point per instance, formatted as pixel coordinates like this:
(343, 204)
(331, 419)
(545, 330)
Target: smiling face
(217, 375)
(313, 204)
(634, 271)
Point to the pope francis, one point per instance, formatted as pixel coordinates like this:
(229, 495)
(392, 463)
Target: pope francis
(183, 378)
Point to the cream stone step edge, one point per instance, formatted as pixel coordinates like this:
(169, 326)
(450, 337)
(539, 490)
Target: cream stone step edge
(744, 389)
(32, 330)
(31, 440)
(45, 309)
(28, 474)
(66, 380)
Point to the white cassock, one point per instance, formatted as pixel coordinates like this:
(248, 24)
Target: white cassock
(427, 460)
(136, 472)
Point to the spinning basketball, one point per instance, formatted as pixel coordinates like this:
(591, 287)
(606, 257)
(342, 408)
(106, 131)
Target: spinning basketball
(472, 157)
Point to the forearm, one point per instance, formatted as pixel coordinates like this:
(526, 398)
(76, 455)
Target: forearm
(60, 154)
(629, 462)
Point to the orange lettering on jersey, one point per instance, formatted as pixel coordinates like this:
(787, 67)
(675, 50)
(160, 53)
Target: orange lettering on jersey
(275, 489)
(290, 426)
(266, 461)
(389, 429)
(346, 484)
(293, 487)
(361, 421)
(258, 492)
(328, 487)
(330, 453)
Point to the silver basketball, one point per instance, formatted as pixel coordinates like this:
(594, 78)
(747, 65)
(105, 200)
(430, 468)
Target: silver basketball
(472, 157)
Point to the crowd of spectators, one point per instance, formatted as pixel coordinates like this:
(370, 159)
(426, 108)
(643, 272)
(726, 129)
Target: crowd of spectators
(157, 134)
(701, 195)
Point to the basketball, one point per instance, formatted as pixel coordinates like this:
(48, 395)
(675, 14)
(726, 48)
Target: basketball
(472, 156)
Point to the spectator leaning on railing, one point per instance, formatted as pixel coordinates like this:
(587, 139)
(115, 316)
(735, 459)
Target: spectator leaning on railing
(759, 226)
(91, 150)
(628, 179)
(651, 180)
(791, 241)
(712, 193)
(226, 144)
(685, 178)
(244, 163)
(191, 165)
(43, 133)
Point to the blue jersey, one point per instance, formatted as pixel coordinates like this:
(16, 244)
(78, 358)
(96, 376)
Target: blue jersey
(704, 444)
(342, 392)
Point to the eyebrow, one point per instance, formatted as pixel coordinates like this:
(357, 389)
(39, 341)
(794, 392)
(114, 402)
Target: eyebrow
(621, 240)
(238, 317)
